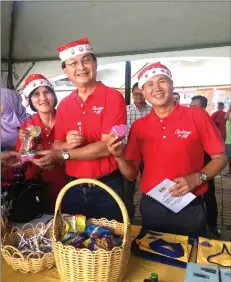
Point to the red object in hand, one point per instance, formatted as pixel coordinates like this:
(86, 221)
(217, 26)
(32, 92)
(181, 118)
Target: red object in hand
(119, 130)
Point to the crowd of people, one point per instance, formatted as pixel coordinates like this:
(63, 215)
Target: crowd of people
(164, 140)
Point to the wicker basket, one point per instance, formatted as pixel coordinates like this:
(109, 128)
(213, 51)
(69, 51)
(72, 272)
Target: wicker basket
(92, 266)
(33, 262)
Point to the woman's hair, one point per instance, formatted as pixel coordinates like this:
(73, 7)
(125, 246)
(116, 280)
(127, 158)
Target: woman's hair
(32, 93)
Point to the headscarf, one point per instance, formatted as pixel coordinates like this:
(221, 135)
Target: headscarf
(12, 116)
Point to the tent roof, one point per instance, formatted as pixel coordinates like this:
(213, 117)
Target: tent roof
(113, 27)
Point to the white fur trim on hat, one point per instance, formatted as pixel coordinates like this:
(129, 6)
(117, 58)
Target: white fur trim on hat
(25, 101)
(150, 73)
(34, 84)
(75, 51)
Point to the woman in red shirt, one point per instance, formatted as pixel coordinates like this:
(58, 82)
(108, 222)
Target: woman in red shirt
(39, 94)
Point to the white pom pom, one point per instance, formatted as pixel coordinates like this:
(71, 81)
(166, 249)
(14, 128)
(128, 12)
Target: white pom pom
(25, 101)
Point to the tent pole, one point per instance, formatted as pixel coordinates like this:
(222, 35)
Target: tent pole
(127, 82)
(11, 48)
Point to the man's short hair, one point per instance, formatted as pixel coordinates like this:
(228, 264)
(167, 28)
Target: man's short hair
(175, 93)
(203, 100)
(93, 57)
(134, 86)
(221, 104)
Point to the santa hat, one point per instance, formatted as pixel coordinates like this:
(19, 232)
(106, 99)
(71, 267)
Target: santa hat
(74, 48)
(152, 70)
(32, 82)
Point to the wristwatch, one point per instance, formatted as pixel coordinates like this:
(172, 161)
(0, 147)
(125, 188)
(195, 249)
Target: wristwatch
(203, 177)
(65, 155)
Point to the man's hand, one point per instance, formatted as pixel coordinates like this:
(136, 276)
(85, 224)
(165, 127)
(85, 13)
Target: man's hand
(49, 158)
(74, 139)
(10, 159)
(115, 146)
(24, 134)
(185, 184)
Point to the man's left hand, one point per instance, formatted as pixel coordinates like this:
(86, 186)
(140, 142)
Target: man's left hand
(48, 158)
(185, 184)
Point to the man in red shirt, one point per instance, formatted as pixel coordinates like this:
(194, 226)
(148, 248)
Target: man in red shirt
(219, 119)
(171, 141)
(83, 123)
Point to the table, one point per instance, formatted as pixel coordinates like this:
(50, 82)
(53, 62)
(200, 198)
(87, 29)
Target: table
(138, 269)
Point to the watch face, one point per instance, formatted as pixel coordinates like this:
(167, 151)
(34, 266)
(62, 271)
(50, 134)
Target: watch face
(65, 156)
(204, 176)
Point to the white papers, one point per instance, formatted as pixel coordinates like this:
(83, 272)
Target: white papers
(160, 193)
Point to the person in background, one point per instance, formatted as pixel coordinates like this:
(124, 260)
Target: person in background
(176, 97)
(210, 196)
(13, 114)
(135, 111)
(219, 119)
(40, 96)
(228, 139)
(174, 149)
(83, 124)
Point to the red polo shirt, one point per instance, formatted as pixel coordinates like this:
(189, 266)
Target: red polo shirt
(219, 118)
(56, 176)
(174, 146)
(104, 108)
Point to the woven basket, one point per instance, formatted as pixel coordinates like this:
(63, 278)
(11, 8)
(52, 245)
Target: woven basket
(91, 266)
(33, 262)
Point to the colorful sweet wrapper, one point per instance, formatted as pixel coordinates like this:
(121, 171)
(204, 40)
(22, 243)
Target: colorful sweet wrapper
(119, 131)
(75, 223)
(27, 156)
(69, 236)
(90, 244)
(80, 223)
(93, 230)
(104, 243)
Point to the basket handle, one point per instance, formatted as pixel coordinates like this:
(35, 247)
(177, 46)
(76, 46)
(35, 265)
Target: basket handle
(101, 185)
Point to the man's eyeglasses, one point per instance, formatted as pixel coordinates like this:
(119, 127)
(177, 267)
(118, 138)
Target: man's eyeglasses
(83, 62)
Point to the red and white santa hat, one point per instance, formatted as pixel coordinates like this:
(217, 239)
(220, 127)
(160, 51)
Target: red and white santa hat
(74, 48)
(33, 81)
(152, 70)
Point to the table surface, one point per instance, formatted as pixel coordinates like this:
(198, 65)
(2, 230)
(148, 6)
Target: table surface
(138, 270)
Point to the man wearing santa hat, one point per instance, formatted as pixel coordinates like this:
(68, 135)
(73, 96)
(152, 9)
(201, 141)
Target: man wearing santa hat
(89, 112)
(171, 141)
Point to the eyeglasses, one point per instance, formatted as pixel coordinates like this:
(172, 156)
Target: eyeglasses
(83, 62)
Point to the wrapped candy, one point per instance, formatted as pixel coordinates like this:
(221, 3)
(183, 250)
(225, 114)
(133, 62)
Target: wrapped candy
(75, 223)
(93, 230)
(119, 130)
(26, 154)
(90, 244)
(92, 236)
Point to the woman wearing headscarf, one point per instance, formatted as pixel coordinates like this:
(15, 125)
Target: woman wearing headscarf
(13, 114)
(40, 96)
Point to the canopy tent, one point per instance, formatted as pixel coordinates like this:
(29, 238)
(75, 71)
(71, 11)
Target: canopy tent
(118, 31)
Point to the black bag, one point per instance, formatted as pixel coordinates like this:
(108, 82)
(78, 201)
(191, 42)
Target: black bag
(23, 199)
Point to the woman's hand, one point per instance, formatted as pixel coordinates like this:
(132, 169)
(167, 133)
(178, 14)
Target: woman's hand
(24, 134)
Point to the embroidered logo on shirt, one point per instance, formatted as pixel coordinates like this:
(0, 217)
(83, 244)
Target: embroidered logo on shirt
(182, 133)
(97, 110)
